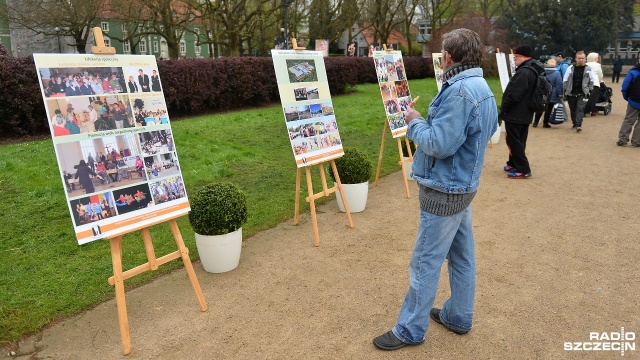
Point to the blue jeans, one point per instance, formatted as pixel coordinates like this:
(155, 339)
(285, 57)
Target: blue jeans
(439, 237)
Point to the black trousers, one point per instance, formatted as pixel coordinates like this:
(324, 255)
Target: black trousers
(517, 143)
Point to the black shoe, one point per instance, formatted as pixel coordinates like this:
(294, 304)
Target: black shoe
(388, 341)
(546, 126)
(621, 143)
(535, 124)
(435, 315)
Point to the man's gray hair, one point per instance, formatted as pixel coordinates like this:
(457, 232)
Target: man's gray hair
(463, 45)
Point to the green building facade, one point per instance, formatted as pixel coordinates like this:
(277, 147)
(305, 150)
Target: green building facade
(114, 30)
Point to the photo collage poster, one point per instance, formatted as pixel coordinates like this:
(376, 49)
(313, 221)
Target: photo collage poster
(113, 142)
(438, 69)
(306, 103)
(503, 71)
(512, 64)
(394, 89)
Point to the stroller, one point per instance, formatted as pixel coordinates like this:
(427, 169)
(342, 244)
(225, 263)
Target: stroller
(604, 101)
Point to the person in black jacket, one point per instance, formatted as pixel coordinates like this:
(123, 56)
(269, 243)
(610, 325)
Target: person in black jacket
(515, 111)
(617, 69)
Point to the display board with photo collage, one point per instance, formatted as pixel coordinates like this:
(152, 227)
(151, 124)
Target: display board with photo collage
(394, 88)
(306, 103)
(113, 142)
(438, 69)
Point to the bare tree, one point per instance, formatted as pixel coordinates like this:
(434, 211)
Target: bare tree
(441, 13)
(408, 16)
(167, 18)
(68, 18)
(230, 22)
(384, 16)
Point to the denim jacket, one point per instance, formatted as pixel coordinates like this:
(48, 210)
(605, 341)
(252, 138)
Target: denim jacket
(452, 140)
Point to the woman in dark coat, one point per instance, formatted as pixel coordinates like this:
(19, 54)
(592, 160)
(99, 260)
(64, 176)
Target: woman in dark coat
(82, 174)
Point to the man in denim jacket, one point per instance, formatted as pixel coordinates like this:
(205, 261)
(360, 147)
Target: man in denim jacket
(447, 165)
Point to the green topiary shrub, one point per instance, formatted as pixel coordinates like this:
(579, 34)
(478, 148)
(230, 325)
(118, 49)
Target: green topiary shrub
(354, 167)
(218, 209)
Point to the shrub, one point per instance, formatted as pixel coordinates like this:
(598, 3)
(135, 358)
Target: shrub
(354, 167)
(218, 209)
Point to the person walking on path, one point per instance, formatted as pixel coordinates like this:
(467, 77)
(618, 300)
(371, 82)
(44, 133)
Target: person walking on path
(515, 111)
(556, 94)
(578, 82)
(563, 64)
(451, 145)
(631, 93)
(617, 69)
(593, 61)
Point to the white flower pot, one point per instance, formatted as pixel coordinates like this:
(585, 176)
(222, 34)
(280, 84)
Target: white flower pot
(220, 253)
(495, 138)
(356, 196)
(407, 168)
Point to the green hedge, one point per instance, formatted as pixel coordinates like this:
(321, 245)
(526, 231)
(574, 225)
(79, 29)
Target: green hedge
(191, 86)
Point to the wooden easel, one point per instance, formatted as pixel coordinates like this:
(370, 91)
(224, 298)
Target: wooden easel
(326, 191)
(152, 264)
(403, 161)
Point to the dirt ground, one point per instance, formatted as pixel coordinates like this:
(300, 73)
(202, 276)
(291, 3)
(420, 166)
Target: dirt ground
(557, 259)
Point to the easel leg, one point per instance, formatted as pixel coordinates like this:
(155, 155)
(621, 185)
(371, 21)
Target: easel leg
(148, 246)
(184, 251)
(312, 206)
(344, 199)
(121, 303)
(384, 134)
(297, 203)
(404, 173)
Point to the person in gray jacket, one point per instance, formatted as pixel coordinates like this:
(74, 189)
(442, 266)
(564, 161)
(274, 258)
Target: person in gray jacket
(578, 83)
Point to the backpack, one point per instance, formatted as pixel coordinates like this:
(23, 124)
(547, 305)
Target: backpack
(557, 116)
(541, 92)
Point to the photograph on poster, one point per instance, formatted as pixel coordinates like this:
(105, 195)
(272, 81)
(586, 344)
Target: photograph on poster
(92, 208)
(291, 113)
(352, 48)
(162, 165)
(95, 165)
(302, 70)
(304, 112)
(323, 45)
(150, 110)
(167, 189)
(300, 93)
(404, 103)
(316, 110)
(327, 108)
(132, 198)
(141, 80)
(388, 91)
(391, 106)
(82, 115)
(156, 142)
(331, 125)
(65, 82)
(402, 88)
(396, 121)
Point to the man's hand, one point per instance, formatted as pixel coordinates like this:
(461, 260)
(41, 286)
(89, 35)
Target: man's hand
(411, 114)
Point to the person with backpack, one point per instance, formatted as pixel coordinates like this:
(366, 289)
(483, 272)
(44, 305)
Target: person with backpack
(554, 77)
(516, 111)
(578, 82)
(631, 93)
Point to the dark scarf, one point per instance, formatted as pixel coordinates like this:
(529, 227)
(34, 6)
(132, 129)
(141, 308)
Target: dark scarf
(456, 69)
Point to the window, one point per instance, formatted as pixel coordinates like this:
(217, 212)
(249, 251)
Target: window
(124, 28)
(105, 26)
(143, 46)
(197, 31)
(183, 47)
(197, 48)
(424, 29)
(126, 47)
(107, 41)
(155, 47)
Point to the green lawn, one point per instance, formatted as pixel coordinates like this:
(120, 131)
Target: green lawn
(45, 275)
